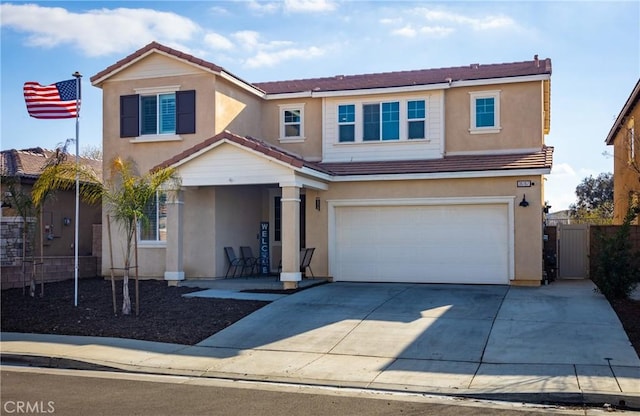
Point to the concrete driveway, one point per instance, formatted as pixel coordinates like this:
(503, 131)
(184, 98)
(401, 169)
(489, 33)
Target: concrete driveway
(561, 338)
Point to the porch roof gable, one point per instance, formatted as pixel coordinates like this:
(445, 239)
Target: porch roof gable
(251, 143)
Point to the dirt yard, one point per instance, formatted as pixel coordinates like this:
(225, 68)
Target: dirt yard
(165, 316)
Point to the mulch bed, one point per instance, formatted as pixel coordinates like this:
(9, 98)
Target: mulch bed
(165, 316)
(628, 311)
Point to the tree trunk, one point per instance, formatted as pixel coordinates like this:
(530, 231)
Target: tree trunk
(126, 299)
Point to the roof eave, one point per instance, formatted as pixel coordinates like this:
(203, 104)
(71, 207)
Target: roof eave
(626, 109)
(442, 175)
(407, 88)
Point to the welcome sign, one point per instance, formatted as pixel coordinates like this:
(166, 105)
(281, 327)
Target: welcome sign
(264, 248)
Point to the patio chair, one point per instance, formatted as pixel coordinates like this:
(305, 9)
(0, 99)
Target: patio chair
(235, 263)
(251, 263)
(305, 261)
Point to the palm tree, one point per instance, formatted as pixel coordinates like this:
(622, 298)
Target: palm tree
(124, 195)
(126, 200)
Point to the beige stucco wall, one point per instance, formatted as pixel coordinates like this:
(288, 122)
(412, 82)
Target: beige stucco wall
(311, 147)
(521, 119)
(625, 171)
(527, 221)
(238, 212)
(235, 110)
(58, 206)
(219, 106)
(215, 217)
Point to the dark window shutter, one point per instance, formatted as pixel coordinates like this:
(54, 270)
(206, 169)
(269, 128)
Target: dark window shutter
(186, 112)
(129, 117)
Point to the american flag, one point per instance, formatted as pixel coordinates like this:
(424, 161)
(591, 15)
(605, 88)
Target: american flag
(52, 101)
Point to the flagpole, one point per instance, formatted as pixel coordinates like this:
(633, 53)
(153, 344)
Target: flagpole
(77, 76)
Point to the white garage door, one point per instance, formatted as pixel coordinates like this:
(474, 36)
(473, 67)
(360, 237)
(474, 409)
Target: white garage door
(429, 244)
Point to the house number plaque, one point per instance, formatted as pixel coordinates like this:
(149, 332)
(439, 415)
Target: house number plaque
(524, 184)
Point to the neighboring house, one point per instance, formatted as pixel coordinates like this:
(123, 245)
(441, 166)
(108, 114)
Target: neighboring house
(23, 167)
(414, 176)
(625, 138)
(558, 217)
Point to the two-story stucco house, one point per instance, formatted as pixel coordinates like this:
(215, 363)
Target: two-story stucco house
(624, 136)
(416, 176)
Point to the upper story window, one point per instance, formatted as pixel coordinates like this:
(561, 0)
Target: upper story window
(346, 123)
(631, 141)
(292, 122)
(383, 121)
(416, 117)
(158, 113)
(485, 112)
(154, 227)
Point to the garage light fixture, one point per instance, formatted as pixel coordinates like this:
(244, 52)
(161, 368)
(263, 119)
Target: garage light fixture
(524, 202)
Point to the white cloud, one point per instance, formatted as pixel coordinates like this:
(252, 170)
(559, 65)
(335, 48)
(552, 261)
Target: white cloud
(263, 7)
(219, 11)
(477, 23)
(217, 41)
(560, 185)
(562, 169)
(97, 32)
(248, 39)
(309, 6)
(407, 32)
(391, 21)
(436, 31)
(268, 59)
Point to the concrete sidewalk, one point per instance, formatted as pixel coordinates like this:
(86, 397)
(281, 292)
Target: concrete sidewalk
(560, 343)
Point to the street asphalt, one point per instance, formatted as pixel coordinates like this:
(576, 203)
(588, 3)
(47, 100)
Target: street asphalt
(560, 343)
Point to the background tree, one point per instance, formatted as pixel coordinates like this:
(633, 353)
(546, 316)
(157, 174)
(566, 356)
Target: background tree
(91, 152)
(595, 199)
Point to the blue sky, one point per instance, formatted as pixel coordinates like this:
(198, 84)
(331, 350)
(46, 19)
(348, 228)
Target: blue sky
(594, 48)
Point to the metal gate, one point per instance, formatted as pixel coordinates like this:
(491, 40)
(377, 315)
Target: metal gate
(573, 251)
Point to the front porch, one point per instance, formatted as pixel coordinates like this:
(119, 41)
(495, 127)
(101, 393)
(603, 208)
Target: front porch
(250, 283)
(231, 186)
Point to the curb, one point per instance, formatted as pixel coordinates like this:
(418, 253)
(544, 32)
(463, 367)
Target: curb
(610, 401)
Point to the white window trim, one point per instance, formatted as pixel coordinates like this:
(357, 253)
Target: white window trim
(290, 139)
(496, 128)
(404, 121)
(353, 123)
(409, 120)
(157, 90)
(151, 138)
(151, 243)
(631, 137)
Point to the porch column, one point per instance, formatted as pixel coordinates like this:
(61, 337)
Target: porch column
(290, 200)
(174, 270)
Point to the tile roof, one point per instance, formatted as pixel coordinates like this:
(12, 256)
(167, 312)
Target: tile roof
(157, 46)
(628, 107)
(409, 78)
(468, 163)
(28, 163)
(249, 142)
(353, 82)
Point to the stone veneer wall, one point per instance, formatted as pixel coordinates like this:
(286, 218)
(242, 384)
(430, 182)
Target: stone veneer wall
(11, 235)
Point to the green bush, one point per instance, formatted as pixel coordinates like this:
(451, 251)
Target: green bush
(616, 273)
